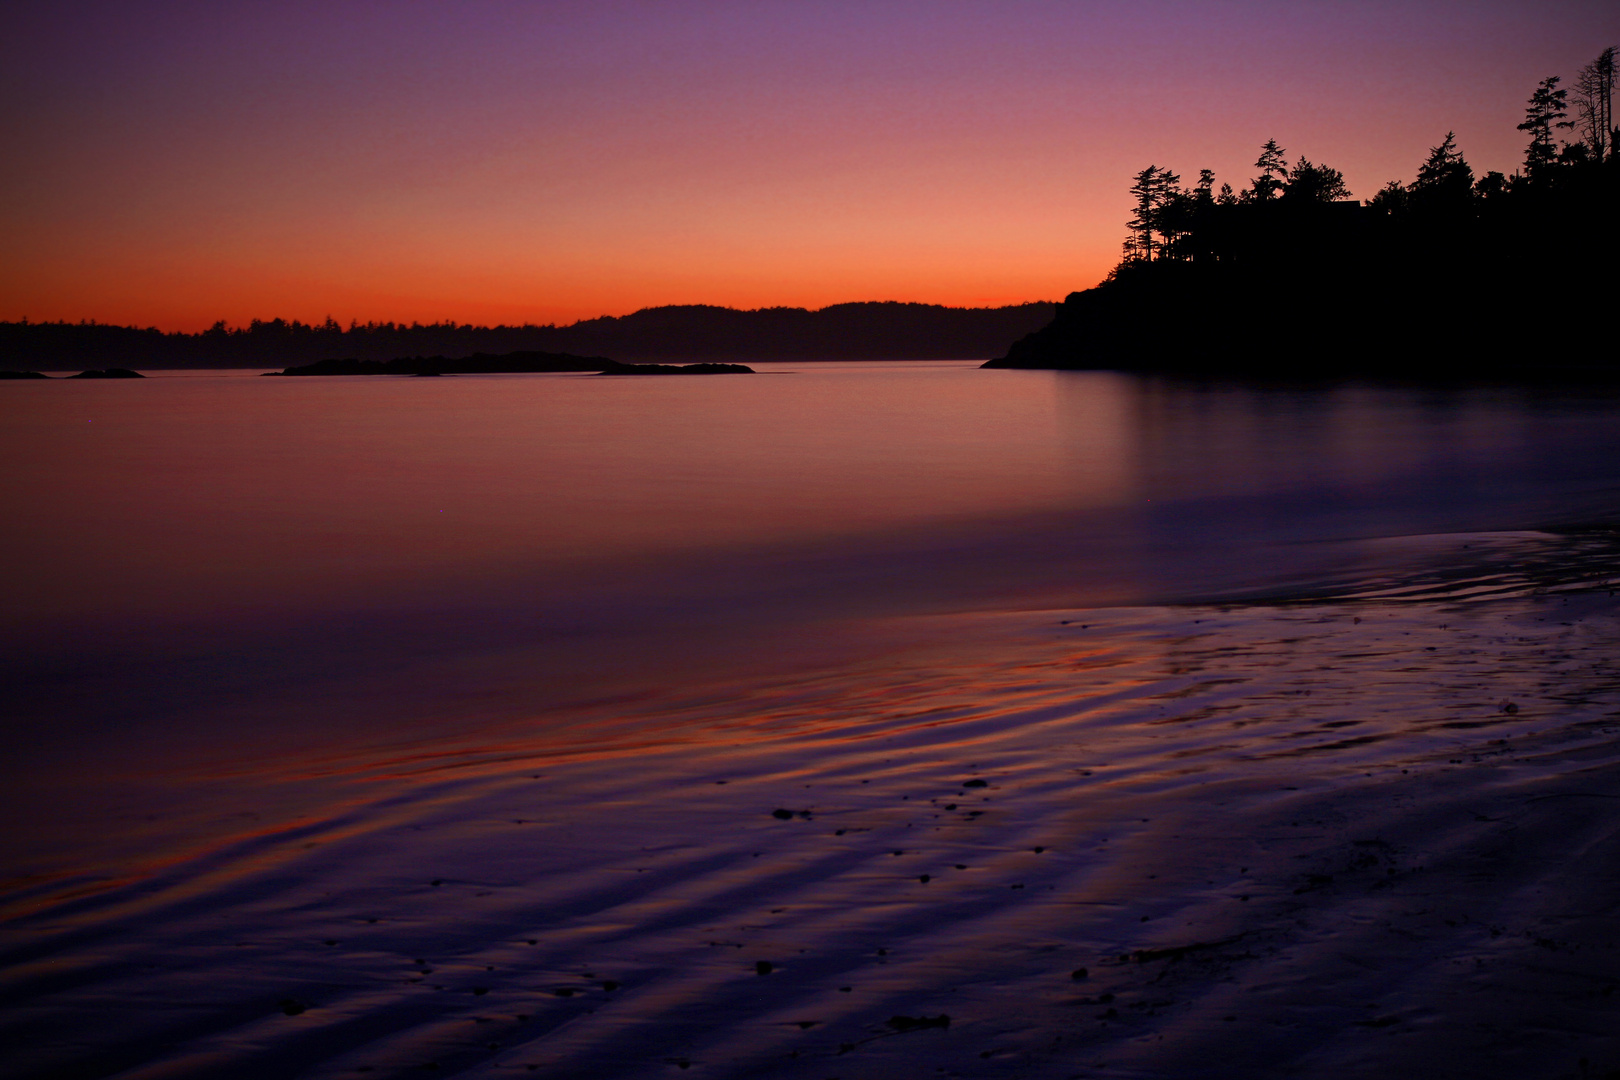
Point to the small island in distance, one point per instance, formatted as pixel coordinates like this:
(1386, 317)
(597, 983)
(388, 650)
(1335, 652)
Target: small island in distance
(512, 363)
(1449, 277)
(91, 373)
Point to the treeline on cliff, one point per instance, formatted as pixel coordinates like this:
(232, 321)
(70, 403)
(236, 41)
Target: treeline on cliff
(860, 331)
(1451, 275)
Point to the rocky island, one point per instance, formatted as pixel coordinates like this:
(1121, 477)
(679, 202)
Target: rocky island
(677, 369)
(514, 363)
(477, 364)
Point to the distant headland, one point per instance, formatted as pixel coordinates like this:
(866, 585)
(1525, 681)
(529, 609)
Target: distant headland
(860, 331)
(1447, 277)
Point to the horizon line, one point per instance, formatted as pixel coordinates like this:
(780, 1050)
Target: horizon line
(353, 323)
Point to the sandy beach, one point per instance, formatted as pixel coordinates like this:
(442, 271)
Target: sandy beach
(1367, 832)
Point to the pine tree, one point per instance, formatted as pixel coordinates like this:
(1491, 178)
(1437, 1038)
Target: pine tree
(1272, 161)
(1544, 111)
(1155, 190)
(1146, 192)
(1169, 216)
(1445, 183)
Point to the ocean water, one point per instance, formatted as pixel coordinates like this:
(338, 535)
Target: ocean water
(391, 725)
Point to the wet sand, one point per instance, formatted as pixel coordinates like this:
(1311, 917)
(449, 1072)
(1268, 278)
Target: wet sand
(1375, 829)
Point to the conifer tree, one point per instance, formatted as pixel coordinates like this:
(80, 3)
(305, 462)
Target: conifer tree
(1544, 111)
(1272, 161)
(1145, 190)
(1154, 189)
(1168, 217)
(1445, 182)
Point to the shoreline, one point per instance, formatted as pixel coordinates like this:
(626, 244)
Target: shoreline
(1428, 874)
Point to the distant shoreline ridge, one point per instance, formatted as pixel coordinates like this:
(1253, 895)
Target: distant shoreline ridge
(874, 330)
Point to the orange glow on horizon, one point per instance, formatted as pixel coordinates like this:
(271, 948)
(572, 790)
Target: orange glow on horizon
(548, 163)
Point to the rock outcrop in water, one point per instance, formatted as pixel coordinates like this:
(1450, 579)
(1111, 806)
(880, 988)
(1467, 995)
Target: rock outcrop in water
(513, 363)
(677, 369)
(108, 373)
(508, 364)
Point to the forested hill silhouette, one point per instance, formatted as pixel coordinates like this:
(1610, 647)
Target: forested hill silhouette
(860, 331)
(1448, 277)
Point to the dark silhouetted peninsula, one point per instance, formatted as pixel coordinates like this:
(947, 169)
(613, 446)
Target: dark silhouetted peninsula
(862, 331)
(1448, 277)
(108, 373)
(23, 375)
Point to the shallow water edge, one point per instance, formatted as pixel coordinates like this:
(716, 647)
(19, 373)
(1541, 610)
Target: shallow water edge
(1305, 838)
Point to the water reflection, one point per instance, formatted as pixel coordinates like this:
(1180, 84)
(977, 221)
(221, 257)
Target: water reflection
(193, 541)
(190, 496)
(310, 683)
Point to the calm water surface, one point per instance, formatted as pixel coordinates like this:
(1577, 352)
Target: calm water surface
(215, 497)
(198, 537)
(360, 554)
(360, 610)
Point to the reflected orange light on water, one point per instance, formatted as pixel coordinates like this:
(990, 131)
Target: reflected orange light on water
(285, 490)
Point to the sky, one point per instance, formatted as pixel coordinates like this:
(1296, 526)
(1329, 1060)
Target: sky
(173, 163)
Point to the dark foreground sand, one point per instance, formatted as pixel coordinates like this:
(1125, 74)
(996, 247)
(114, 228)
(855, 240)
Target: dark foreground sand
(1348, 838)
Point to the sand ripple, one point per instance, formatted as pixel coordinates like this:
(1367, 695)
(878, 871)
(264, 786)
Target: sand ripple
(1248, 840)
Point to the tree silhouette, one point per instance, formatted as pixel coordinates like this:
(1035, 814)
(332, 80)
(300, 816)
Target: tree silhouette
(1139, 239)
(1153, 189)
(1545, 109)
(1314, 183)
(1172, 213)
(1445, 182)
(1390, 200)
(1594, 103)
(1516, 275)
(1273, 166)
(1493, 185)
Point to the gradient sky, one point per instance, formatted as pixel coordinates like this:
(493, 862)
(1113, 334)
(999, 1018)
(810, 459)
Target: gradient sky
(174, 163)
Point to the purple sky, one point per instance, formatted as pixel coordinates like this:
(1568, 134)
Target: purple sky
(176, 163)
